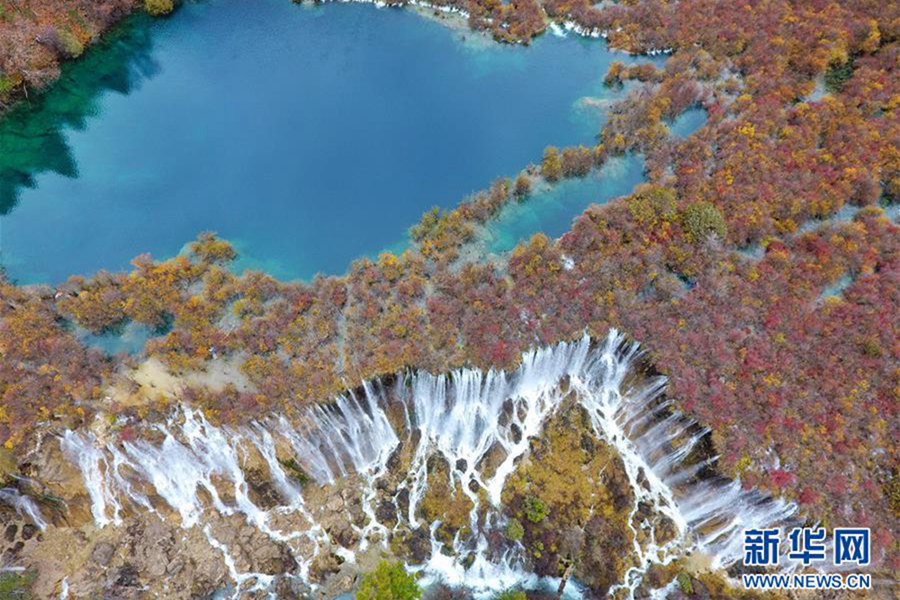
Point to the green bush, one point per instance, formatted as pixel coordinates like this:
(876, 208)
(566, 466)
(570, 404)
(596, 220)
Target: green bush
(523, 186)
(71, 46)
(551, 166)
(295, 471)
(158, 8)
(6, 84)
(16, 586)
(514, 530)
(429, 221)
(838, 74)
(685, 583)
(535, 510)
(702, 219)
(389, 581)
(511, 595)
(652, 206)
(872, 347)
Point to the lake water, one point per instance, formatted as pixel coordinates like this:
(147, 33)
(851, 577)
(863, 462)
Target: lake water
(308, 136)
(131, 339)
(550, 209)
(688, 122)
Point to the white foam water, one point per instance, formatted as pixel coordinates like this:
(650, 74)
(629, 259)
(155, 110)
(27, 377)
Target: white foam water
(87, 452)
(24, 505)
(464, 417)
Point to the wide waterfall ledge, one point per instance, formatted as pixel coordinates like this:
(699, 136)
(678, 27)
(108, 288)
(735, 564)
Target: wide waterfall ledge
(425, 468)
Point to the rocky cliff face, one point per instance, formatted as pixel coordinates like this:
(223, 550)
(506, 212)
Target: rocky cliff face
(573, 465)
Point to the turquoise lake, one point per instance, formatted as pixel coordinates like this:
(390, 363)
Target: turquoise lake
(308, 136)
(550, 209)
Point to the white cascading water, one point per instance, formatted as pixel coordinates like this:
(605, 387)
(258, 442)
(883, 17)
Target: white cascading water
(24, 505)
(462, 417)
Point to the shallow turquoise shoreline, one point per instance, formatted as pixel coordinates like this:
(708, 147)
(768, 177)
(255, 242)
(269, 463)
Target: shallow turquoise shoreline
(308, 136)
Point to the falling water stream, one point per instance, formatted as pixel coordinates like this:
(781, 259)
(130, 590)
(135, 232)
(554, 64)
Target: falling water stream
(462, 416)
(23, 504)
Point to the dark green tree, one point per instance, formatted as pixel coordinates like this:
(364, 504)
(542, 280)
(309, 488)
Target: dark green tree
(511, 594)
(389, 581)
(702, 219)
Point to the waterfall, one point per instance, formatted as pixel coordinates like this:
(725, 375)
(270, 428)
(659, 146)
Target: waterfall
(654, 444)
(24, 505)
(462, 417)
(85, 450)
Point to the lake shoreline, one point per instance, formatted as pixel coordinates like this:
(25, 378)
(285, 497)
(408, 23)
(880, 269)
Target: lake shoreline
(100, 135)
(14, 89)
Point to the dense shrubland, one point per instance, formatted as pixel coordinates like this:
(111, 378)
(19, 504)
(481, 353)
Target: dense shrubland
(37, 35)
(723, 266)
(797, 385)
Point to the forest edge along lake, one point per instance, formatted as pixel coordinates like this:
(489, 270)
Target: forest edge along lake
(306, 135)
